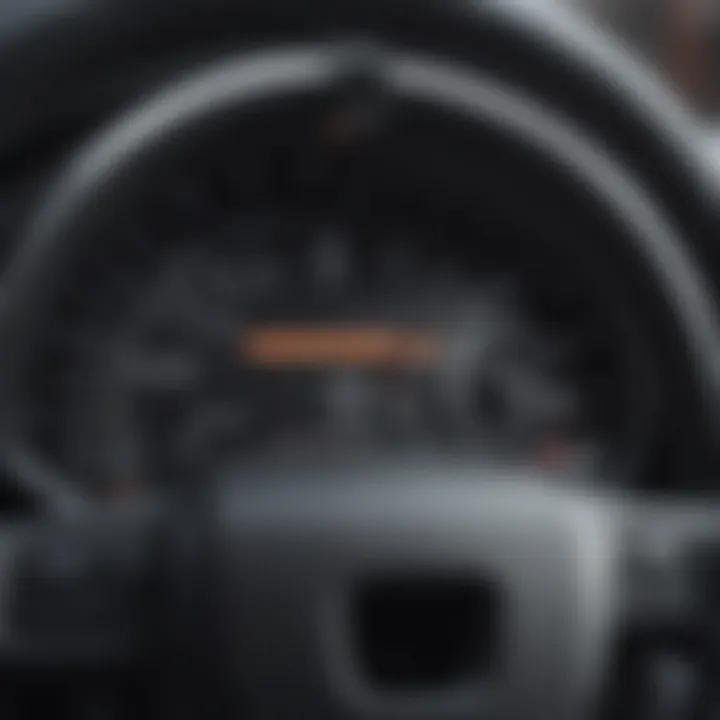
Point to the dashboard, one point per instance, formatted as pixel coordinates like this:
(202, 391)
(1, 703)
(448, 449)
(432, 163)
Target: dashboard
(323, 277)
(316, 296)
(371, 215)
(278, 281)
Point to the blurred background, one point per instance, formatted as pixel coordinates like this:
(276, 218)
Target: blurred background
(680, 37)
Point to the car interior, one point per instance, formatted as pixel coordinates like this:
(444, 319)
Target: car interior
(359, 360)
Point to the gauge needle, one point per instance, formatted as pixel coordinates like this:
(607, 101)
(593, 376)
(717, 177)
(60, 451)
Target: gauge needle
(341, 346)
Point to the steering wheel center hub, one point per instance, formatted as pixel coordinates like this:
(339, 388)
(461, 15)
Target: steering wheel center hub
(329, 579)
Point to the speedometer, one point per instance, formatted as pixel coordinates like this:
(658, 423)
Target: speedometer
(291, 294)
(261, 346)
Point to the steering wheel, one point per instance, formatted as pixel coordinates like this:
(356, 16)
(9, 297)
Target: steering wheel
(441, 586)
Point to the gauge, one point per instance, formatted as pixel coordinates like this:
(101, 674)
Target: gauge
(336, 348)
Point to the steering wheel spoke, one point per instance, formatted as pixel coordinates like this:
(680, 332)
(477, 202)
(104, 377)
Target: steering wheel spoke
(672, 553)
(667, 649)
(463, 593)
(71, 592)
